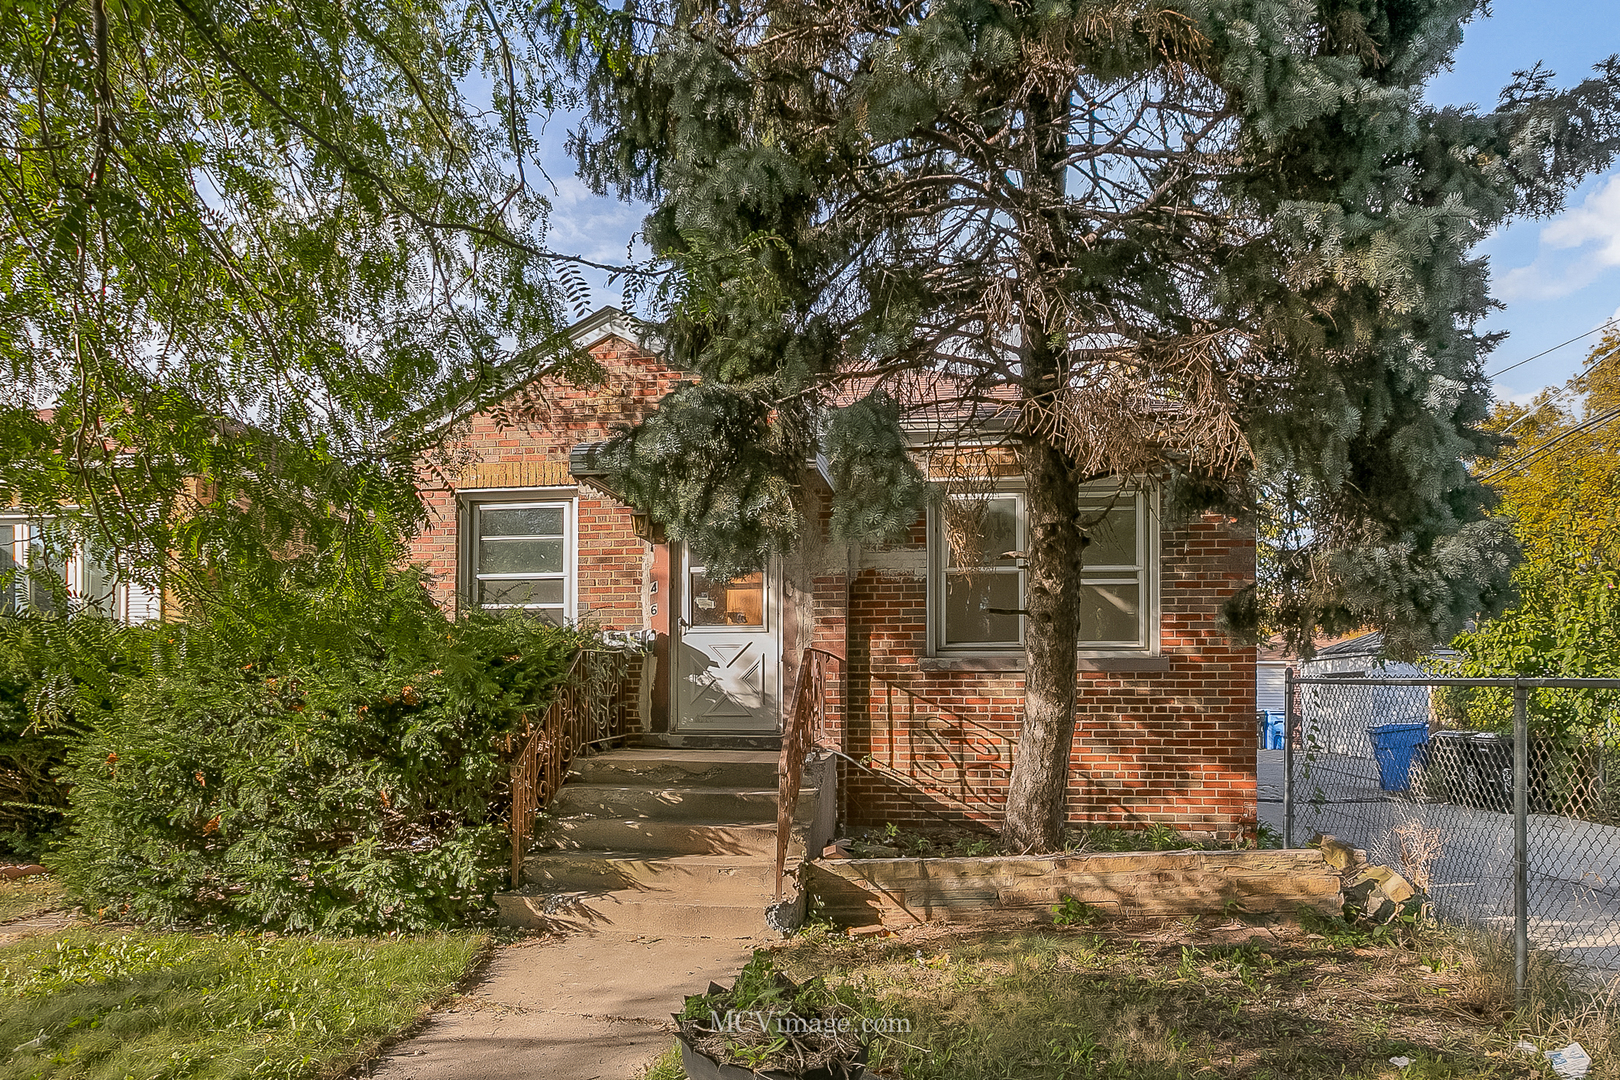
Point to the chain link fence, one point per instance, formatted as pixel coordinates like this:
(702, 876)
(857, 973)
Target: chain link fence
(1499, 798)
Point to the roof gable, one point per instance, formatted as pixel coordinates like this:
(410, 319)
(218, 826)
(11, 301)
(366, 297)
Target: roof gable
(603, 325)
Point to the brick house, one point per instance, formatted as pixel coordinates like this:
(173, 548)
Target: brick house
(928, 688)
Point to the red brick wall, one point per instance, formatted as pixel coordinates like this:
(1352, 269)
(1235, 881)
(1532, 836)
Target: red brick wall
(524, 442)
(1174, 744)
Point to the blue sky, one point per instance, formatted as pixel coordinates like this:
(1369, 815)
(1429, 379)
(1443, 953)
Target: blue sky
(1558, 277)
(1561, 276)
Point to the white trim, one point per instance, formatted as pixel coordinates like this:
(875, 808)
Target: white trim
(1148, 575)
(467, 576)
(77, 574)
(939, 572)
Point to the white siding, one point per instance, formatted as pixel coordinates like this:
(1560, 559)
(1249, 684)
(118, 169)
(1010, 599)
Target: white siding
(1268, 685)
(140, 603)
(1336, 718)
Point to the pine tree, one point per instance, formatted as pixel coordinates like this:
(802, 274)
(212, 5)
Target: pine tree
(1219, 245)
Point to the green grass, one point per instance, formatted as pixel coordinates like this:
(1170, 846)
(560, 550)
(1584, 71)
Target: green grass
(117, 1004)
(1174, 1003)
(666, 1066)
(25, 897)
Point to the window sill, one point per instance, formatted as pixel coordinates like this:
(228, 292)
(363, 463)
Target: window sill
(1138, 662)
(971, 663)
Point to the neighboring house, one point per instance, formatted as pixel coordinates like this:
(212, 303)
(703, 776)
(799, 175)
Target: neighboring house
(1271, 661)
(1340, 716)
(29, 567)
(928, 692)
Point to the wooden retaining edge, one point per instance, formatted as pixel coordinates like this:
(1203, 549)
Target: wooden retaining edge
(860, 892)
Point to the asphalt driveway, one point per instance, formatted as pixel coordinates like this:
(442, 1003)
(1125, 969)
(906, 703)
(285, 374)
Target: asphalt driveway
(1574, 873)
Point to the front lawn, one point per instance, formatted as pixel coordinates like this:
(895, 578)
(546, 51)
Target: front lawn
(23, 898)
(1173, 1000)
(119, 1003)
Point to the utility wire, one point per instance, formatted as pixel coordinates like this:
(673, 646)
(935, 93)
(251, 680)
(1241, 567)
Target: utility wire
(1607, 324)
(1568, 388)
(1585, 425)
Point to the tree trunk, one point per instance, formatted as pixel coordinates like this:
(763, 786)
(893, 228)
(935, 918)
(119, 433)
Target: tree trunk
(1038, 791)
(1040, 777)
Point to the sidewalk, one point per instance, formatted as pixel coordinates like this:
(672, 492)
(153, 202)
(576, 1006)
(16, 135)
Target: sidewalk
(586, 1007)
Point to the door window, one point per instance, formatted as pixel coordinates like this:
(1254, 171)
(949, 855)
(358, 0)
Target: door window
(738, 602)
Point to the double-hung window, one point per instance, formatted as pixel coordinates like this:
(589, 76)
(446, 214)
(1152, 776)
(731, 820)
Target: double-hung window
(978, 605)
(1116, 601)
(977, 609)
(37, 575)
(520, 555)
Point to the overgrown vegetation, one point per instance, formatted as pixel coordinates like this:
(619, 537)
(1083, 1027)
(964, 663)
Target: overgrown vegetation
(956, 842)
(766, 1020)
(1560, 490)
(98, 1004)
(1178, 1000)
(56, 677)
(293, 764)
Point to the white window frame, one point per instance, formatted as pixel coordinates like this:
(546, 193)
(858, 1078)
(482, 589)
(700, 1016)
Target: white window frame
(28, 531)
(1145, 574)
(939, 572)
(471, 503)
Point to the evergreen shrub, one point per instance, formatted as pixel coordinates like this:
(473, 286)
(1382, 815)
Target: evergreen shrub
(57, 677)
(334, 767)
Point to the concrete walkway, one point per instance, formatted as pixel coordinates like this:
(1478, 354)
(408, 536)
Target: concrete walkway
(582, 1007)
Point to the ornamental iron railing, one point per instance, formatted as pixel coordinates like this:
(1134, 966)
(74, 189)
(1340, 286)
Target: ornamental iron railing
(590, 710)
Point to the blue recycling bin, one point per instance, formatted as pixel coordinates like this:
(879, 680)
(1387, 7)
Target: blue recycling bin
(1394, 748)
(1274, 730)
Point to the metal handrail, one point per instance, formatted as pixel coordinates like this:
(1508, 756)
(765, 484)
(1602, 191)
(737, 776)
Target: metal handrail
(587, 710)
(960, 734)
(805, 728)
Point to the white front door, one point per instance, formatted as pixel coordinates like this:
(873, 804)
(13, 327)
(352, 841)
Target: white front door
(728, 657)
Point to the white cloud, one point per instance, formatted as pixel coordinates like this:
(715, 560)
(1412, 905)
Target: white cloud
(1577, 247)
(589, 226)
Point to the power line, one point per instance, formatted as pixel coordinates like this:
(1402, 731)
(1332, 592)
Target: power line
(1606, 325)
(1569, 388)
(1585, 425)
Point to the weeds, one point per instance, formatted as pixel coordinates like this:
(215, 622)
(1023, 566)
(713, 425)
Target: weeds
(1072, 912)
(1170, 1004)
(666, 1066)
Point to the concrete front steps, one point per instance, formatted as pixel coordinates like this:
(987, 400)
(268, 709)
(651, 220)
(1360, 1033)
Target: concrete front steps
(665, 841)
